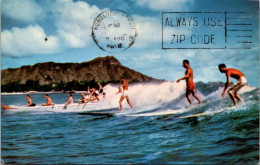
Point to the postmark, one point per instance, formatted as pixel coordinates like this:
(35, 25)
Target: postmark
(114, 31)
(206, 30)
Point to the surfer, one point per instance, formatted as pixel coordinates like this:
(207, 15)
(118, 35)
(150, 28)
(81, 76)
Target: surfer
(234, 73)
(124, 94)
(189, 81)
(83, 98)
(70, 100)
(49, 101)
(100, 90)
(29, 100)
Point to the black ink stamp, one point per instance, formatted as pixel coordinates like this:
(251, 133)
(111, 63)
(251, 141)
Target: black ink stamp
(206, 30)
(114, 31)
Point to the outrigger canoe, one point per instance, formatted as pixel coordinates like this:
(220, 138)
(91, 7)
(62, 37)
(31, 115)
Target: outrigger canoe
(55, 107)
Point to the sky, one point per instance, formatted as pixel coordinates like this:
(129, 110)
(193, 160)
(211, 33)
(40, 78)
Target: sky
(67, 25)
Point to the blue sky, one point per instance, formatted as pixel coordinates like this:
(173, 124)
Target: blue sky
(67, 25)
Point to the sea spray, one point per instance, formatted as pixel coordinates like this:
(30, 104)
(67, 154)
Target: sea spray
(145, 94)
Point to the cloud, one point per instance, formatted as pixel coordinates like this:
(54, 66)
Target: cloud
(74, 22)
(22, 10)
(148, 31)
(27, 41)
(165, 4)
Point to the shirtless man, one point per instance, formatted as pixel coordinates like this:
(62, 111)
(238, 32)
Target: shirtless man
(91, 94)
(83, 98)
(234, 73)
(189, 81)
(70, 100)
(124, 94)
(49, 101)
(30, 103)
(95, 97)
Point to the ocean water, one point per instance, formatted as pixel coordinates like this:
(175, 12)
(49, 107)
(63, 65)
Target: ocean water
(230, 136)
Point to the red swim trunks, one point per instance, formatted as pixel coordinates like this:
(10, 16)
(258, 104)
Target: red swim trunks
(191, 86)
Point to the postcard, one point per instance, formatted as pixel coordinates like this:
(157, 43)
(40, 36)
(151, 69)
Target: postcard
(129, 82)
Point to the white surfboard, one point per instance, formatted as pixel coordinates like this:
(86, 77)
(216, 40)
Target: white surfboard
(168, 112)
(207, 113)
(195, 115)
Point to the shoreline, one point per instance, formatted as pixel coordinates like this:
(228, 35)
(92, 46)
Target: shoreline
(30, 93)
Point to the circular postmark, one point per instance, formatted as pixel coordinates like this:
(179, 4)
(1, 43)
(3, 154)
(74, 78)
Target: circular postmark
(114, 31)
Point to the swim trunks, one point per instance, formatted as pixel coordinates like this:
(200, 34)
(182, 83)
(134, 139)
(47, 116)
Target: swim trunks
(240, 83)
(32, 105)
(125, 93)
(101, 91)
(191, 86)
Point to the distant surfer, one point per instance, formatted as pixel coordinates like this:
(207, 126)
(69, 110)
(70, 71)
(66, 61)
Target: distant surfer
(124, 94)
(49, 101)
(29, 100)
(70, 99)
(100, 89)
(189, 81)
(234, 73)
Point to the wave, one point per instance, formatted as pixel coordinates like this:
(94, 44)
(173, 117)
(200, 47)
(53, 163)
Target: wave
(168, 94)
(146, 94)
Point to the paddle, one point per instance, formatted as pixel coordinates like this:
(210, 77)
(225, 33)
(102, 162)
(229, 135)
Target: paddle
(84, 105)
(65, 106)
(53, 106)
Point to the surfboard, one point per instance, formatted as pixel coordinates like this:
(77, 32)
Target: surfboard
(195, 115)
(205, 113)
(168, 112)
(108, 114)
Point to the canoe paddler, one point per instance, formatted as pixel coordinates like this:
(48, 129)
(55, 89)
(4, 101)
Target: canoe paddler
(49, 101)
(29, 100)
(70, 100)
(83, 98)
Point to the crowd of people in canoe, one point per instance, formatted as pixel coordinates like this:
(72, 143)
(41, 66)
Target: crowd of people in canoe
(92, 95)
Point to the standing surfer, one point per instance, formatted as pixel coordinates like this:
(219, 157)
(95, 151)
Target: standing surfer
(189, 81)
(234, 73)
(124, 94)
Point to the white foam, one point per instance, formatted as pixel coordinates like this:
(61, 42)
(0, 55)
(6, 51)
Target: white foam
(145, 94)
